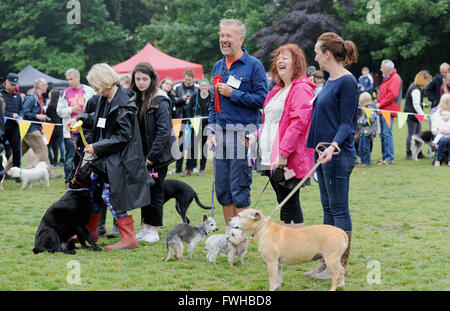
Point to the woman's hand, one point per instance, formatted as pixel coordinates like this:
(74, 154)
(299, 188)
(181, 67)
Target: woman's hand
(89, 149)
(327, 154)
(71, 123)
(281, 161)
(148, 162)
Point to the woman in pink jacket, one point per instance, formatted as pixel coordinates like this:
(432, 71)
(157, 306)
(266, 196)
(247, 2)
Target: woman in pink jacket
(285, 127)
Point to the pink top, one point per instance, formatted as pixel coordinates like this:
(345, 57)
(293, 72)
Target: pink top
(293, 128)
(75, 97)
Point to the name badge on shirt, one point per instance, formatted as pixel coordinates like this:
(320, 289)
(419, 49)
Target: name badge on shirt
(101, 122)
(233, 82)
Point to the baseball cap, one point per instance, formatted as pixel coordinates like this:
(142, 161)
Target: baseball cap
(13, 78)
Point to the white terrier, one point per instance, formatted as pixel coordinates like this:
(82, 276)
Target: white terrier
(40, 171)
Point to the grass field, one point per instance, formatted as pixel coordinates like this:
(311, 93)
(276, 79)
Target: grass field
(400, 234)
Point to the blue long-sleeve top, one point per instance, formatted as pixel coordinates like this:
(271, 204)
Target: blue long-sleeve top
(334, 115)
(245, 102)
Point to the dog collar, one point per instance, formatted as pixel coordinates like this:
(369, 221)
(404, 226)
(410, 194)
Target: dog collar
(263, 223)
(203, 229)
(81, 189)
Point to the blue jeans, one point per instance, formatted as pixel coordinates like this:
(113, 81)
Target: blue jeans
(364, 149)
(443, 142)
(387, 140)
(233, 174)
(69, 156)
(334, 184)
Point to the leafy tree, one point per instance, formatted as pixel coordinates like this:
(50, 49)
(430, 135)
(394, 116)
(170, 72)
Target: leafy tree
(300, 22)
(412, 33)
(190, 28)
(38, 33)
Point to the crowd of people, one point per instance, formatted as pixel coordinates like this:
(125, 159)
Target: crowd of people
(128, 126)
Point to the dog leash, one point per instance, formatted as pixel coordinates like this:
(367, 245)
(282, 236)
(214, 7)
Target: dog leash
(213, 148)
(311, 171)
(76, 126)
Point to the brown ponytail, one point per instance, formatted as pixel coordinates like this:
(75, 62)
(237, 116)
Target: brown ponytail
(343, 51)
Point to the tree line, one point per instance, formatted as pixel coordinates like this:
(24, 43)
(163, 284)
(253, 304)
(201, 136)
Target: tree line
(412, 33)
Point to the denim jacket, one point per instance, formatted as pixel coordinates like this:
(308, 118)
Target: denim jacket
(31, 108)
(247, 99)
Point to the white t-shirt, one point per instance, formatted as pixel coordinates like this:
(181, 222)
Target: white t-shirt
(272, 116)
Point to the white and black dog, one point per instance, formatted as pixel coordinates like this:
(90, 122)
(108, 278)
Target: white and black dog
(2, 169)
(420, 139)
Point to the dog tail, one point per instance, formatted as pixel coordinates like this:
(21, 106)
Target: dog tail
(199, 203)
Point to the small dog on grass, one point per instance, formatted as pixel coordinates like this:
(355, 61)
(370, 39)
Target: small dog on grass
(40, 171)
(233, 245)
(190, 235)
(183, 194)
(281, 246)
(68, 217)
(420, 139)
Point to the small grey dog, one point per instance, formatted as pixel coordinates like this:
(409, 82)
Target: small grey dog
(190, 235)
(235, 244)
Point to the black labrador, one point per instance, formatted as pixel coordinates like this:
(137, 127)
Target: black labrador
(183, 194)
(68, 217)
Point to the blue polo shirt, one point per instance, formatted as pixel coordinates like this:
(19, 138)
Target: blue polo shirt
(243, 105)
(334, 115)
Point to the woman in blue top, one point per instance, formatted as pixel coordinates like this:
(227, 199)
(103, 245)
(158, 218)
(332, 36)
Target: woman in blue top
(333, 120)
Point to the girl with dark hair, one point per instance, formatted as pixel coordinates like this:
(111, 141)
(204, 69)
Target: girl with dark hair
(334, 118)
(155, 123)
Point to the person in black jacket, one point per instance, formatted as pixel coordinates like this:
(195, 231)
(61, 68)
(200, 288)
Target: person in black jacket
(117, 148)
(433, 90)
(57, 134)
(176, 103)
(183, 92)
(200, 108)
(155, 123)
(9, 91)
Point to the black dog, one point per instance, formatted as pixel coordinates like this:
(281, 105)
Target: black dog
(418, 140)
(183, 194)
(68, 217)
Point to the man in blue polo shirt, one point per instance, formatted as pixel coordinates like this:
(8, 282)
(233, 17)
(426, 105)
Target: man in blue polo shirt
(240, 91)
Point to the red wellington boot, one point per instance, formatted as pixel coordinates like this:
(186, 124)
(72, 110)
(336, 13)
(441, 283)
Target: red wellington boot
(91, 227)
(126, 228)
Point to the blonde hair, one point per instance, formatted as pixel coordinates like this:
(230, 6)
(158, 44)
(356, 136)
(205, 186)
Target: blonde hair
(102, 76)
(365, 98)
(422, 79)
(444, 103)
(447, 81)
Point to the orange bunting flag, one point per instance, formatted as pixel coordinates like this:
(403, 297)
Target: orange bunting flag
(387, 117)
(368, 111)
(177, 127)
(48, 128)
(402, 119)
(23, 128)
(420, 117)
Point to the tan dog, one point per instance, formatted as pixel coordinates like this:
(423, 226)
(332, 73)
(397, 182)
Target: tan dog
(281, 246)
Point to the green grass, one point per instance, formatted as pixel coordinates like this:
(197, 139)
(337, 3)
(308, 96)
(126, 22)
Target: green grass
(399, 213)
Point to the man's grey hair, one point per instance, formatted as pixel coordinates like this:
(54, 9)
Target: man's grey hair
(241, 26)
(38, 83)
(388, 63)
(73, 71)
(444, 65)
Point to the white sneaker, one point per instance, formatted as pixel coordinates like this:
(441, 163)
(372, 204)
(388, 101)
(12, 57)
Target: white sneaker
(195, 170)
(171, 172)
(151, 237)
(142, 233)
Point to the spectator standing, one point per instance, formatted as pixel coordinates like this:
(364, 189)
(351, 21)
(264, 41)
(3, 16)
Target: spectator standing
(318, 79)
(334, 118)
(433, 90)
(9, 93)
(389, 98)
(57, 135)
(414, 104)
(367, 129)
(441, 128)
(241, 94)
(365, 81)
(71, 103)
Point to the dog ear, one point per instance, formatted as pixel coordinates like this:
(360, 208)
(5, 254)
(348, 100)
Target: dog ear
(205, 217)
(256, 216)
